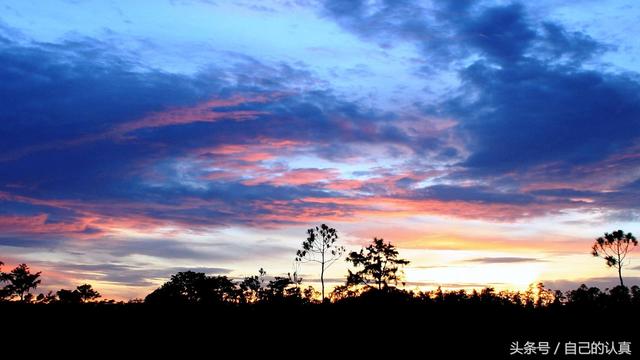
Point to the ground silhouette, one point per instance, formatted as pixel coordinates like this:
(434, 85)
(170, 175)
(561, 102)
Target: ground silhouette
(372, 314)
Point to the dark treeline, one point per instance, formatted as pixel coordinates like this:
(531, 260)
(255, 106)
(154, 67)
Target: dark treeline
(196, 288)
(372, 313)
(376, 278)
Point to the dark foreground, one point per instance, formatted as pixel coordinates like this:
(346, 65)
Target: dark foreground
(334, 330)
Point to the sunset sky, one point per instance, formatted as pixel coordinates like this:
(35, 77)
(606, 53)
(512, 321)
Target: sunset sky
(491, 141)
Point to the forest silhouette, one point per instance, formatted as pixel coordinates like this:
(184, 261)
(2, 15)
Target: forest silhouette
(372, 302)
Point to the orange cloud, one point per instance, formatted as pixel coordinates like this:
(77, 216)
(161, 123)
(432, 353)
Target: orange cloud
(448, 237)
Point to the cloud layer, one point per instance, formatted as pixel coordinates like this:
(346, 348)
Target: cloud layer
(519, 118)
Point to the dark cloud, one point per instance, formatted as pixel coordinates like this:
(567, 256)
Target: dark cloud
(128, 275)
(600, 282)
(448, 32)
(214, 250)
(472, 194)
(60, 92)
(527, 101)
(503, 260)
(31, 241)
(65, 103)
(501, 33)
(533, 113)
(559, 44)
(460, 285)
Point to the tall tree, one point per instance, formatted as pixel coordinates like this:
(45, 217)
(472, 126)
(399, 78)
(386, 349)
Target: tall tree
(379, 262)
(614, 247)
(320, 247)
(21, 281)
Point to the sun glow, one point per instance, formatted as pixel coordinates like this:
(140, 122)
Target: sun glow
(500, 276)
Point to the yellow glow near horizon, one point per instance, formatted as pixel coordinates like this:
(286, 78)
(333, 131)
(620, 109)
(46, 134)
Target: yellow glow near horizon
(513, 276)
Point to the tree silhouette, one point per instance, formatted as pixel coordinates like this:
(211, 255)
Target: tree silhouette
(183, 287)
(82, 294)
(21, 281)
(87, 293)
(217, 290)
(294, 290)
(251, 286)
(380, 265)
(190, 287)
(4, 291)
(614, 247)
(68, 296)
(320, 247)
(584, 296)
(46, 298)
(276, 290)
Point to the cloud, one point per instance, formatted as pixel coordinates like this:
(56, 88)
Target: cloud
(449, 32)
(500, 32)
(301, 176)
(121, 274)
(503, 260)
(534, 113)
(600, 282)
(534, 103)
(473, 194)
(130, 148)
(96, 141)
(449, 285)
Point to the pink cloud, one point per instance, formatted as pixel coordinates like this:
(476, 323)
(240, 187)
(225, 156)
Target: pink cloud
(296, 177)
(39, 224)
(345, 184)
(203, 112)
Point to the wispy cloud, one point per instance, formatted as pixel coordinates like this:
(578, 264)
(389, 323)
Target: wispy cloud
(503, 260)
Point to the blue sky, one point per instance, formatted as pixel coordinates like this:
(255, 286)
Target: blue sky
(145, 137)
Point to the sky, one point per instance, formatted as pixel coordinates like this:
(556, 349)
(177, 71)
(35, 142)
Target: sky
(490, 141)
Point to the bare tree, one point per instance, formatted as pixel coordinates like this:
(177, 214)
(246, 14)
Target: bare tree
(320, 247)
(614, 248)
